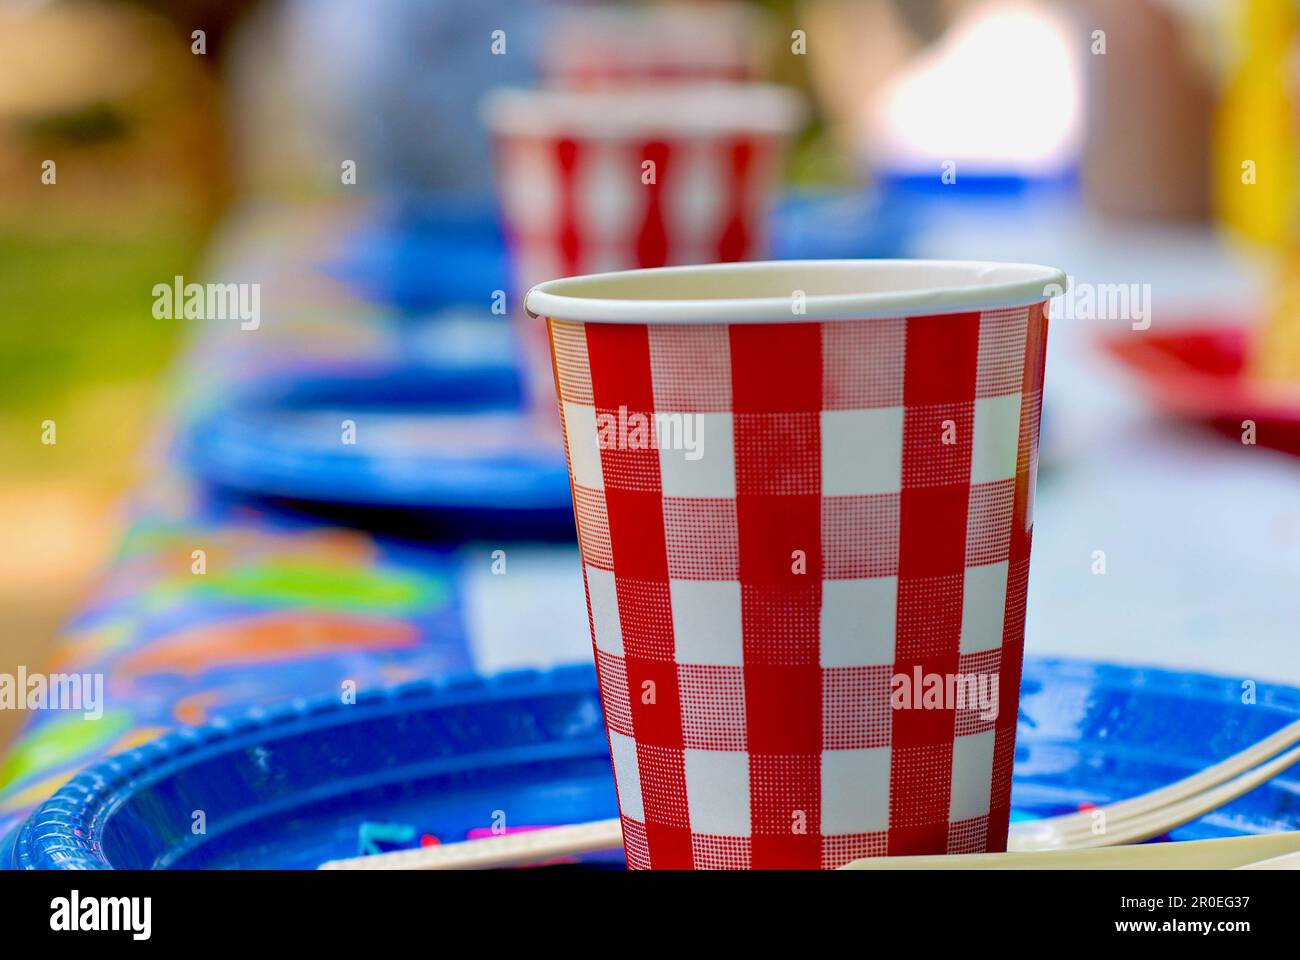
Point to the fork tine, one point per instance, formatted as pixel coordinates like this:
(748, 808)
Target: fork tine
(1075, 829)
(1164, 819)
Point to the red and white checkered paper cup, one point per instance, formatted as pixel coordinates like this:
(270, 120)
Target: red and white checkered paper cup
(647, 176)
(790, 522)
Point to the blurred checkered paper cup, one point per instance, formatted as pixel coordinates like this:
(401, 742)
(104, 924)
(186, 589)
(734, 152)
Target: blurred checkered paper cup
(642, 176)
(804, 503)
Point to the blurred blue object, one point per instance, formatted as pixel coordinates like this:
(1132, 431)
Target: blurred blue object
(427, 253)
(901, 186)
(839, 225)
(437, 428)
(288, 787)
(457, 444)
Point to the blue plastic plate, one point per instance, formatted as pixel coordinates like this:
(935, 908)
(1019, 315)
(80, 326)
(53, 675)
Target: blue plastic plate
(291, 787)
(418, 256)
(840, 225)
(456, 444)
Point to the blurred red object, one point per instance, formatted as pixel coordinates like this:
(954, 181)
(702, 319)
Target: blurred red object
(1200, 375)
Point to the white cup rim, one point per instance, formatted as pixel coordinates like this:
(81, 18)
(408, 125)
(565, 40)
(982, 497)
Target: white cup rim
(768, 291)
(671, 108)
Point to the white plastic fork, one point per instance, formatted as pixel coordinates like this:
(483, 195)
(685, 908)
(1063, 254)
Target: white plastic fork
(1151, 814)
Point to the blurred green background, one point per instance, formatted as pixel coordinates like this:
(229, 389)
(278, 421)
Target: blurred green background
(134, 118)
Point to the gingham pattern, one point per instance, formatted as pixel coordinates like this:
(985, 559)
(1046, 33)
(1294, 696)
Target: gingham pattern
(578, 204)
(749, 608)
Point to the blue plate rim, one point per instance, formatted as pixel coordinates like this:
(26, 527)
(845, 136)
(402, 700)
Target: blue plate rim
(59, 833)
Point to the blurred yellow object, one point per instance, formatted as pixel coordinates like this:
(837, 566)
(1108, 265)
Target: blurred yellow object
(1258, 161)
(105, 102)
(1256, 135)
(1275, 347)
(90, 66)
